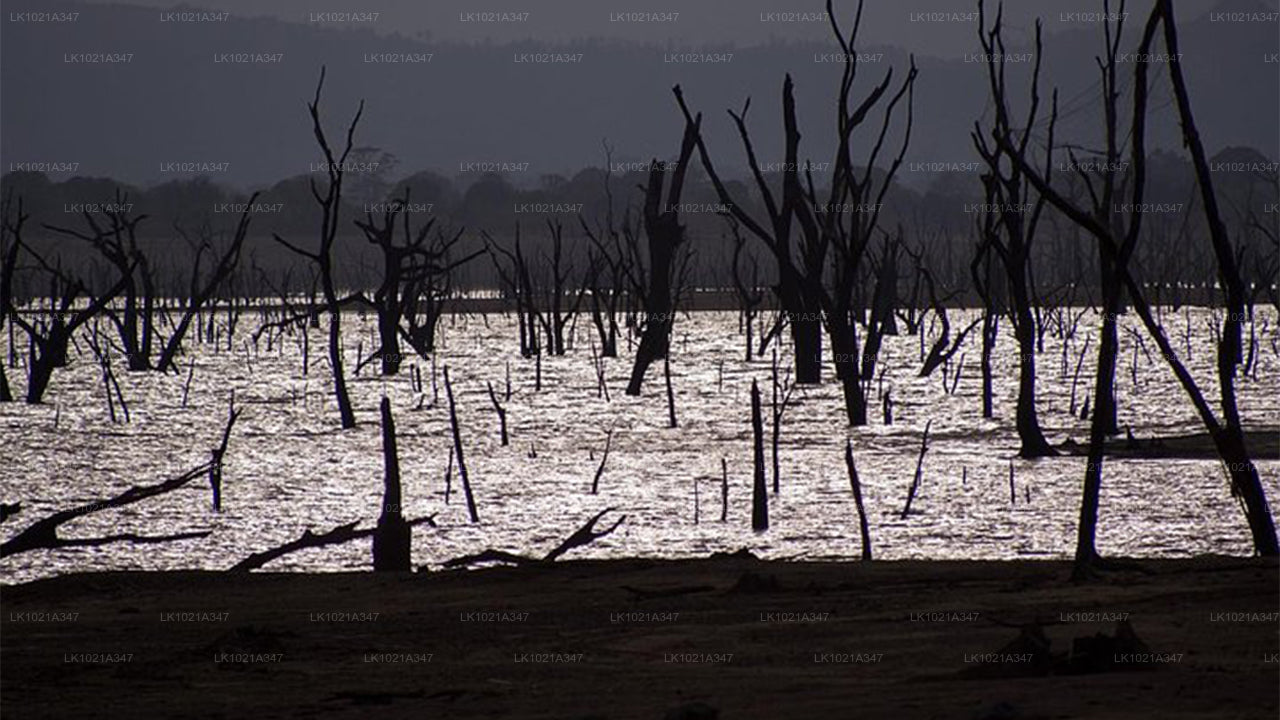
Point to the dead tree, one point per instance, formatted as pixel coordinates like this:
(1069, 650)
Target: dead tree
(116, 240)
(1116, 244)
(837, 230)
(724, 489)
(781, 400)
(561, 302)
(427, 292)
(848, 237)
(607, 292)
(43, 534)
(855, 363)
(604, 458)
(1012, 234)
(387, 300)
(1227, 436)
(857, 499)
(330, 203)
(749, 295)
(8, 267)
(759, 490)
(919, 476)
(392, 541)
(513, 272)
(671, 395)
(502, 413)
(49, 332)
(609, 264)
(981, 271)
(944, 347)
(109, 383)
(666, 235)
(457, 449)
(801, 310)
(202, 289)
(413, 274)
(583, 536)
(1268, 263)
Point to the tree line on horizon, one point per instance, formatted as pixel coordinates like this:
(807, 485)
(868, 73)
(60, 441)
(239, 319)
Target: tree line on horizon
(939, 216)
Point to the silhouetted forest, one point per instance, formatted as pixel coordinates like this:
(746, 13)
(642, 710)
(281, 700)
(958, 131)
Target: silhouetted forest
(939, 223)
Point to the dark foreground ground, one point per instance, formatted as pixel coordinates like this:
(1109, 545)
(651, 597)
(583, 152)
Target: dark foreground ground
(646, 639)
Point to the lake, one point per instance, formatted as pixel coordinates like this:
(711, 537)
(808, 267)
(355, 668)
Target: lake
(289, 467)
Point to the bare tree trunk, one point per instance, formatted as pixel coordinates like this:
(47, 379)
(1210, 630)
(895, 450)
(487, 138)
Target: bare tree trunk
(724, 490)
(844, 351)
(42, 363)
(1034, 443)
(200, 294)
(1231, 445)
(330, 205)
(48, 340)
(990, 331)
(345, 410)
(604, 458)
(919, 476)
(760, 489)
(8, 266)
(798, 306)
(457, 450)
(863, 529)
(1104, 400)
(671, 395)
(806, 336)
(392, 541)
(502, 413)
(1086, 550)
(1007, 186)
(662, 225)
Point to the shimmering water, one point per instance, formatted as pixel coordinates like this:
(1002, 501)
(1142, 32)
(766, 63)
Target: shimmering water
(290, 468)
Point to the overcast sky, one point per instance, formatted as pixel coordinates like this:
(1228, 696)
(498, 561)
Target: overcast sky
(941, 28)
(472, 103)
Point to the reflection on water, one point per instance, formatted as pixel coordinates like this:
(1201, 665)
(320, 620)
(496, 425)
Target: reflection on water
(289, 468)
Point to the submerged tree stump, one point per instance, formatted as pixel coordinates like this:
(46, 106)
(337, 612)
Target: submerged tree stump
(863, 528)
(392, 540)
(457, 449)
(760, 492)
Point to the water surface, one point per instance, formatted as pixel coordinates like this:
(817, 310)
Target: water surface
(289, 467)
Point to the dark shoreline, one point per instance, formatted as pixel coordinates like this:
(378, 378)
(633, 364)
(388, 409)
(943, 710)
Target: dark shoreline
(803, 639)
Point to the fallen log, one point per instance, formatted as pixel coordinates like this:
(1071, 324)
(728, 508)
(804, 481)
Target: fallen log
(585, 535)
(43, 533)
(336, 536)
